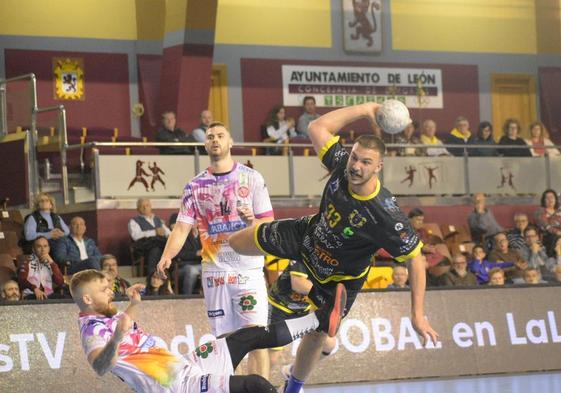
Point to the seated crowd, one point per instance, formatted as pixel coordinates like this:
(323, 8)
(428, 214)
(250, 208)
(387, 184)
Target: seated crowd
(49, 253)
(485, 254)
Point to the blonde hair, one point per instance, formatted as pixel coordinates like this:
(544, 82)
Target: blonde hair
(40, 196)
(84, 277)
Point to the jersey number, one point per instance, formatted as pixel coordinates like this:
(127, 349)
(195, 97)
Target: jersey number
(333, 217)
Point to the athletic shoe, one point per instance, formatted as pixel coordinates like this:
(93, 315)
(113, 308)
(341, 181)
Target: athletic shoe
(330, 315)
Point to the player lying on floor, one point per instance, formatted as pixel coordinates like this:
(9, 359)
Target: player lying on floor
(113, 342)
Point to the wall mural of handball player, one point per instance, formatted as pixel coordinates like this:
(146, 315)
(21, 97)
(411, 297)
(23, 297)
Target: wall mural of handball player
(352, 198)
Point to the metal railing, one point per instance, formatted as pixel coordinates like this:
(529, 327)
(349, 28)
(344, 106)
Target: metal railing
(290, 155)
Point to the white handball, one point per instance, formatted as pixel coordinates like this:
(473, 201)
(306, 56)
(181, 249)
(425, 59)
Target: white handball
(393, 116)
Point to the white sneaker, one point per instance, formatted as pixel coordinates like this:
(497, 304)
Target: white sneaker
(286, 372)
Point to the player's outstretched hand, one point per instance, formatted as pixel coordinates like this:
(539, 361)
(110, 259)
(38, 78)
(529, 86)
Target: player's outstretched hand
(163, 265)
(425, 330)
(133, 293)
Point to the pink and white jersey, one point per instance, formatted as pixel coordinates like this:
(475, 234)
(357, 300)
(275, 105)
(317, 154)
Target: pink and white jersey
(211, 201)
(143, 364)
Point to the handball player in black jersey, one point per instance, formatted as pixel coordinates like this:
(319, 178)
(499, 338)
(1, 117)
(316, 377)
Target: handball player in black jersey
(357, 217)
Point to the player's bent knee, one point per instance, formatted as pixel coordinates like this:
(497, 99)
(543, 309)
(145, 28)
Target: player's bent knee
(250, 384)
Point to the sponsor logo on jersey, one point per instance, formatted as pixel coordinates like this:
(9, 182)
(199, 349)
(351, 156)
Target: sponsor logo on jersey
(228, 226)
(348, 232)
(390, 204)
(243, 192)
(215, 313)
(325, 257)
(356, 219)
(334, 186)
(212, 282)
(398, 227)
(204, 383)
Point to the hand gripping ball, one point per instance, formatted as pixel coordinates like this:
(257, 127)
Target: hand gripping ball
(393, 116)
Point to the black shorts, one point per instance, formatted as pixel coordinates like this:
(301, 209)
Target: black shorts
(277, 315)
(283, 239)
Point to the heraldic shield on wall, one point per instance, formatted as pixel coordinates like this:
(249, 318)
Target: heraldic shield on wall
(68, 78)
(362, 25)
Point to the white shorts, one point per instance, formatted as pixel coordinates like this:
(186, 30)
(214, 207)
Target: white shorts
(235, 299)
(208, 370)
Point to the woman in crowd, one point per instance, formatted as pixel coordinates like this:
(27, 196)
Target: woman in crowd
(510, 137)
(155, 286)
(485, 138)
(539, 140)
(548, 219)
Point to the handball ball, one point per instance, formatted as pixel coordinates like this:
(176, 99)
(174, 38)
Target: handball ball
(393, 116)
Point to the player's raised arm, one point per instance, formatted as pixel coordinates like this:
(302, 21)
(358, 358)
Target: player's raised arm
(322, 129)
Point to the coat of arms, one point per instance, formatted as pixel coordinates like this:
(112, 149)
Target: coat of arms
(68, 78)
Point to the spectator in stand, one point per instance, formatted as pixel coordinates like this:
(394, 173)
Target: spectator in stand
(10, 292)
(484, 138)
(308, 116)
(278, 127)
(400, 275)
(539, 140)
(510, 137)
(458, 275)
(7, 268)
(149, 233)
(199, 133)
(431, 244)
(533, 251)
(481, 267)
(407, 136)
(156, 286)
(428, 137)
(496, 276)
(110, 267)
(75, 250)
(39, 276)
(501, 251)
(168, 132)
(189, 259)
(548, 219)
(515, 235)
(43, 221)
(554, 262)
(459, 135)
(532, 276)
(482, 222)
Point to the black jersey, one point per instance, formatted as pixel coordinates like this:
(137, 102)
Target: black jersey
(281, 294)
(341, 239)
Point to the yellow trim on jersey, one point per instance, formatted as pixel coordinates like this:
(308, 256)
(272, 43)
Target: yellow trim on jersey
(367, 197)
(299, 274)
(337, 277)
(256, 240)
(412, 254)
(327, 146)
(284, 308)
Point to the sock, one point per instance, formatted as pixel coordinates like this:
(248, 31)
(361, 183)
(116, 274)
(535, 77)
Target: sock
(293, 385)
(300, 326)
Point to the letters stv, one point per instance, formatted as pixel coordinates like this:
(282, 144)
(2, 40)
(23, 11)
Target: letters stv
(68, 79)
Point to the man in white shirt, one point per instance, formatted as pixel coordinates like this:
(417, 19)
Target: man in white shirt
(149, 233)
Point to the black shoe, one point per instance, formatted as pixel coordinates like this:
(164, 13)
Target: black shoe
(330, 314)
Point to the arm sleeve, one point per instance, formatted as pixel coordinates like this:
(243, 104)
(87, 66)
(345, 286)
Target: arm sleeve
(187, 213)
(400, 239)
(22, 277)
(60, 251)
(333, 154)
(94, 336)
(64, 227)
(278, 133)
(298, 269)
(30, 229)
(261, 201)
(58, 278)
(302, 125)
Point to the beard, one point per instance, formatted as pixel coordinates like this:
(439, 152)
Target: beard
(109, 309)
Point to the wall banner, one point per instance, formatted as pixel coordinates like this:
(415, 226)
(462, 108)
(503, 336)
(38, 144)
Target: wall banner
(343, 86)
(362, 25)
(482, 331)
(68, 79)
